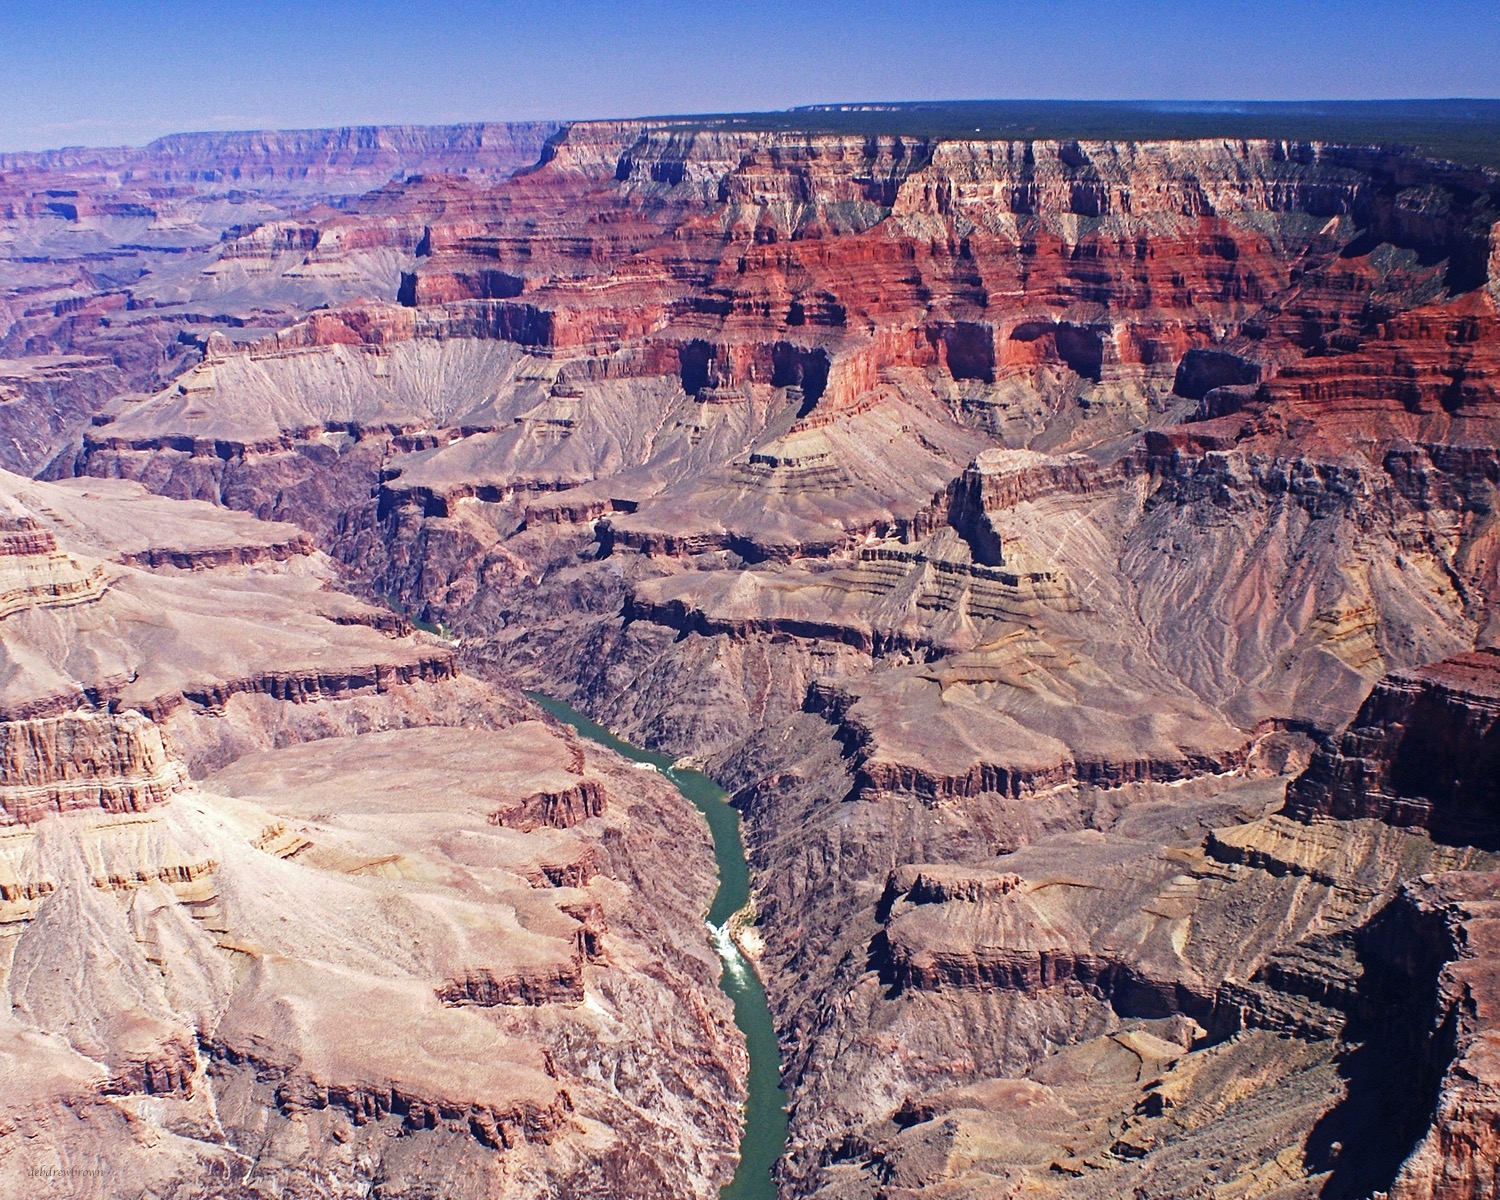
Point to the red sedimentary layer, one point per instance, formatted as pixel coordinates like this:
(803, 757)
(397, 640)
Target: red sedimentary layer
(1016, 782)
(166, 1070)
(205, 558)
(679, 615)
(497, 1127)
(1424, 376)
(874, 774)
(573, 873)
(795, 260)
(113, 763)
(1031, 972)
(484, 989)
(27, 539)
(559, 809)
(300, 687)
(908, 959)
(297, 687)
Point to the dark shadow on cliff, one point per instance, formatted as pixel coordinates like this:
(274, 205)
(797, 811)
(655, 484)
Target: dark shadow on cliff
(1392, 1068)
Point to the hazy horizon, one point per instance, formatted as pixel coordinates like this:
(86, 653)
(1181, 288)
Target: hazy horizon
(124, 73)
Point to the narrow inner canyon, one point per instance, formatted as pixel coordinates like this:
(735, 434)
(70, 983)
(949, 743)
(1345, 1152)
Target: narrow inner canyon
(1034, 598)
(764, 1139)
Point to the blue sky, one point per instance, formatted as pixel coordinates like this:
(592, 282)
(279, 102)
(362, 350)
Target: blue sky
(86, 72)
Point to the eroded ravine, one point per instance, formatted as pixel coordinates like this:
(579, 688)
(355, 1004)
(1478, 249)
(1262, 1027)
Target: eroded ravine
(764, 1137)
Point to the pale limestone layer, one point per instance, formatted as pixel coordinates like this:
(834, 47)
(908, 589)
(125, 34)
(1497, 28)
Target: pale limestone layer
(402, 921)
(34, 573)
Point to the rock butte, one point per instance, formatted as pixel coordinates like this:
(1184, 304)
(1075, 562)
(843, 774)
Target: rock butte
(1080, 558)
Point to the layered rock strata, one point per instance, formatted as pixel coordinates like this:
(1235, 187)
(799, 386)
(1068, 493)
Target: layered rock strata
(205, 872)
(1008, 523)
(123, 264)
(116, 763)
(35, 573)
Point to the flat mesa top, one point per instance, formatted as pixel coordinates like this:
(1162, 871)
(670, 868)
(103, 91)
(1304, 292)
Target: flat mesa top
(1462, 130)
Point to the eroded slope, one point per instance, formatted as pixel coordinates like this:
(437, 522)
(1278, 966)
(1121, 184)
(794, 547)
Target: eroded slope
(1009, 522)
(288, 901)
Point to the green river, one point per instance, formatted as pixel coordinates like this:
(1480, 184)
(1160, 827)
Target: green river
(765, 1119)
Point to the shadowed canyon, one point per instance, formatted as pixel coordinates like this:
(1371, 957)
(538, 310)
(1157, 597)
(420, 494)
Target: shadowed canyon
(1078, 559)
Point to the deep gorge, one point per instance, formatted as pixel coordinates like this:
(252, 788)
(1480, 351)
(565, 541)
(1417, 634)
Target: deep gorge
(1075, 558)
